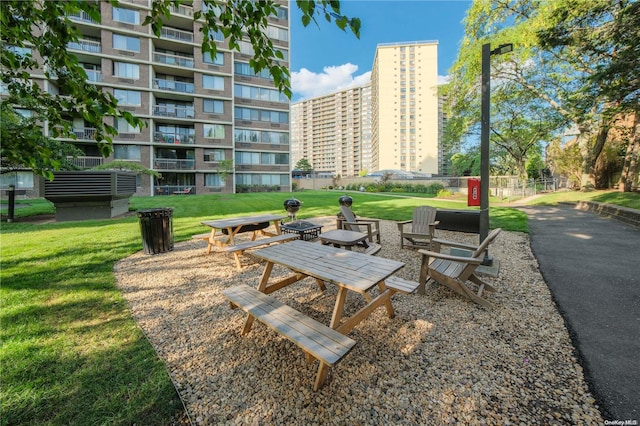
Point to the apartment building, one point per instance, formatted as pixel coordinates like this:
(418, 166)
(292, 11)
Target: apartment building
(333, 132)
(404, 98)
(213, 124)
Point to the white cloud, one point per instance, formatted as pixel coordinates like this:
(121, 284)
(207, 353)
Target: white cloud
(443, 79)
(307, 84)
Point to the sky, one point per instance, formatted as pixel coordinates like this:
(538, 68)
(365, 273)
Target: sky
(325, 59)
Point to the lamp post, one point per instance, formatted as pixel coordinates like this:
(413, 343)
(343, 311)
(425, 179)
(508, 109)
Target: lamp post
(485, 112)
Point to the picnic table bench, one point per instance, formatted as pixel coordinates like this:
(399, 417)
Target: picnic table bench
(317, 340)
(238, 249)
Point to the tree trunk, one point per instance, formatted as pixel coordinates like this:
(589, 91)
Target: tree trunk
(629, 169)
(590, 153)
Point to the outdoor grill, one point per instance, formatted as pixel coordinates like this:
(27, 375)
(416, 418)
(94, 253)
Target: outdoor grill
(292, 206)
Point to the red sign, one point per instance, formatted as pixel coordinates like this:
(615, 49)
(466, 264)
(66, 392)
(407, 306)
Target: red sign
(473, 195)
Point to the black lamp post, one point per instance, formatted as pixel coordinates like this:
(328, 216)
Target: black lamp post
(485, 112)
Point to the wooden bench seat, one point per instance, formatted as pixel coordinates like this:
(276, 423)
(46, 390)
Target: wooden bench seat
(401, 285)
(204, 236)
(260, 242)
(238, 249)
(317, 340)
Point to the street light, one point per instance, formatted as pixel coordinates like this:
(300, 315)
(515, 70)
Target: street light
(485, 112)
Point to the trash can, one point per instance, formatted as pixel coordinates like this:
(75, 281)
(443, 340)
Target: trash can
(156, 227)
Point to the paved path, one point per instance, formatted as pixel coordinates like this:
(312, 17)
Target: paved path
(592, 267)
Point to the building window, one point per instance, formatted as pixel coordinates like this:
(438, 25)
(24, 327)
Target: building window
(127, 97)
(259, 93)
(123, 42)
(128, 16)
(21, 180)
(214, 155)
(261, 158)
(261, 136)
(213, 179)
(123, 127)
(214, 131)
(126, 152)
(243, 68)
(125, 70)
(213, 82)
(262, 179)
(213, 106)
(277, 33)
(218, 60)
(261, 115)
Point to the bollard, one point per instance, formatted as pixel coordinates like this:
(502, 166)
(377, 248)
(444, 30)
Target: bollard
(12, 202)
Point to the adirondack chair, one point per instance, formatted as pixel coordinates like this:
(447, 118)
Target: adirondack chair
(423, 228)
(350, 223)
(455, 271)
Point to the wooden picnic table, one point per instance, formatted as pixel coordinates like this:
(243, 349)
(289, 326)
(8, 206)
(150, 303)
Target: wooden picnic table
(349, 270)
(235, 225)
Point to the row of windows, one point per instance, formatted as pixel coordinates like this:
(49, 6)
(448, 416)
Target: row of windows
(260, 136)
(259, 93)
(262, 179)
(261, 158)
(261, 115)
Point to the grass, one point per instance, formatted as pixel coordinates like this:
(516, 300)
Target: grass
(72, 353)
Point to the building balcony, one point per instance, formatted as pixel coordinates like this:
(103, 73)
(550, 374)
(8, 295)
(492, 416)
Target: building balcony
(85, 45)
(82, 16)
(86, 162)
(176, 34)
(181, 10)
(85, 133)
(168, 59)
(174, 111)
(174, 86)
(173, 164)
(173, 138)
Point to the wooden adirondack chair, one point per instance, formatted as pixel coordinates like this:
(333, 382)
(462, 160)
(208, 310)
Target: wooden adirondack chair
(423, 228)
(455, 271)
(350, 223)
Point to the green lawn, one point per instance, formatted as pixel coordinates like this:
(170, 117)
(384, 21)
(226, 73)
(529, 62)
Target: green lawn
(71, 353)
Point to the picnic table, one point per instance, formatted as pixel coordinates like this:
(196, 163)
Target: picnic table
(349, 270)
(229, 228)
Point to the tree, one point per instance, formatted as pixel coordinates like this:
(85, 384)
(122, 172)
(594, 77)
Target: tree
(303, 164)
(23, 143)
(608, 31)
(519, 124)
(561, 76)
(33, 30)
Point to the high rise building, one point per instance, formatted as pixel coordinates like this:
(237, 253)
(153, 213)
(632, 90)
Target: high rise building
(332, 132)
(213, 124)
(404, 93)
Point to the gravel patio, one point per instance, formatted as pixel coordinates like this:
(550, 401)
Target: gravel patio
(441, 360)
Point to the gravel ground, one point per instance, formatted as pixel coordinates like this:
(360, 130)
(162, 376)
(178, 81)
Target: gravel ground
(441, 360)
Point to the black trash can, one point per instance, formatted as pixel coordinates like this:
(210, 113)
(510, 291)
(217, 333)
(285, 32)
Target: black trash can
(156, 227)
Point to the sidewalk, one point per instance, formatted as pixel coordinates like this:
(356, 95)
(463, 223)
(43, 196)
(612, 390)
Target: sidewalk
(592, 267)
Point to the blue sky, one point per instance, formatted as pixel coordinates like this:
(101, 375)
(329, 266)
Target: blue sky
(325, 59)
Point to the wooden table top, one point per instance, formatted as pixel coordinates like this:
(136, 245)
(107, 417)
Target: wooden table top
(242, 220)
(342, 237)
(355, 271)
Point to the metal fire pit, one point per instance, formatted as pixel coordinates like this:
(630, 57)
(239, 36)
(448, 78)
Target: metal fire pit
(306, 230)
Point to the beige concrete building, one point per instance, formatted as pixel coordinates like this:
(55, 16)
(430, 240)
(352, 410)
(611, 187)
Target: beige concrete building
(333, 132)
(200, 110)
(404, 94)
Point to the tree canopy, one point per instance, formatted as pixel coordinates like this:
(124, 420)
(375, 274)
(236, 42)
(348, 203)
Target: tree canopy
(567, 62)
(35, 36)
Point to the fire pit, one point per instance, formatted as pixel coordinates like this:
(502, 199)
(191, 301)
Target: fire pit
(307, 230)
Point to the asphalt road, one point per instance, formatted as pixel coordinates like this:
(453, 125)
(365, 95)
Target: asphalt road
(592, 267)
